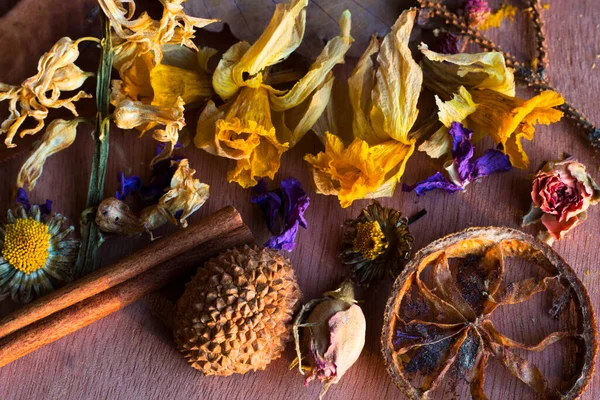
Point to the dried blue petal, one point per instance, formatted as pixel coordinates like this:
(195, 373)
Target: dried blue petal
(435, 181)
(463, 169)
(160, 180)
(23, 199)
(270, 203)
(492, 161)
(462, 148)
(128, 185)
(448, 43)
(294, 198)
(402, 337)
(284, 211)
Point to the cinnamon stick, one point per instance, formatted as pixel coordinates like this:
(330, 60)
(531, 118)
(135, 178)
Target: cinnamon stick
(82, 314)
(161, 250)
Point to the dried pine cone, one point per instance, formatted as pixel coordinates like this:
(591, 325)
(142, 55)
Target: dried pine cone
(236, 314)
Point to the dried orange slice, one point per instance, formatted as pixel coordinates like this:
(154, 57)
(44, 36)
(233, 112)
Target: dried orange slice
(438, 317)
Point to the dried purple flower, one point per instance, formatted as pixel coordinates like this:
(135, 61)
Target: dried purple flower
(449, 43)
(128, 185)
(23, 199)
(462, 169)
(476, 12)
(284, 211)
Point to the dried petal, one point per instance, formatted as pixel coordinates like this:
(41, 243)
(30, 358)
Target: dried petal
(37, 94)
(473, 71)
(59, 135)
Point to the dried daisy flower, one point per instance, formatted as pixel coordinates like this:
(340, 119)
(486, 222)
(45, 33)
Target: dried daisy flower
(184, 197)
(59, 135)
(36, 253)
(335, 329)
(561, 193)
(376, 244)
(479, 92)
(384, 101)
(161, 70)
(258, 123)
(41, 92)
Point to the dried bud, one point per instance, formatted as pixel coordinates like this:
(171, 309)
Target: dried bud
(335, 330)
(476, 12)
(114, 216)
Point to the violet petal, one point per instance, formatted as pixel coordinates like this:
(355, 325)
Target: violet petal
(129, 184)
(23, 199)
(492, 161)
(462, 148)
(270, 204)
(435, 181)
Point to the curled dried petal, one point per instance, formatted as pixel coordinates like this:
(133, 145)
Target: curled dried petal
(32, 99)
(59, 135)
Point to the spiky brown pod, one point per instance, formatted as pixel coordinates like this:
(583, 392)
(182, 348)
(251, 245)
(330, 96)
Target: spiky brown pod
(236, 314)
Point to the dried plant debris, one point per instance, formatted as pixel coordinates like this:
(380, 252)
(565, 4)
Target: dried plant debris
(438, 327)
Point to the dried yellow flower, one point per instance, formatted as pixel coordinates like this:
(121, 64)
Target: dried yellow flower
(161, 69)
(384, 104)
(186, 194)
(41, 92)
(260, 123)
(482, 89)
(59, 135)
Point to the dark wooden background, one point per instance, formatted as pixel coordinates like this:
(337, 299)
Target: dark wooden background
(131, 355)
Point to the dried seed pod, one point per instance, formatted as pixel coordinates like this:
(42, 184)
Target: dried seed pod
(236, 314)
(433, 328)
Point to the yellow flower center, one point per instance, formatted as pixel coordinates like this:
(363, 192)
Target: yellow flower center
(26, 245)
(370, 240)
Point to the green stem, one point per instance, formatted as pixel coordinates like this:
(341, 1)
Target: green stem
(90, 235)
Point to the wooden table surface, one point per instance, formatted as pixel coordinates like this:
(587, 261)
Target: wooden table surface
(131, 355)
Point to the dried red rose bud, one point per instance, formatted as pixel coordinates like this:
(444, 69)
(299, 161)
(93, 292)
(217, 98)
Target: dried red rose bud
(335, 333)
(476, 12)
(561, 193)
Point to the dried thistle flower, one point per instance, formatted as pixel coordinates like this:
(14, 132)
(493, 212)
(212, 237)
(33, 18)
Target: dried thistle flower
(384, 102)
(376, 243)
(476, 12)
(41, 92)
(59, 135)
(335, 329)
(36, 254)
(259, 123)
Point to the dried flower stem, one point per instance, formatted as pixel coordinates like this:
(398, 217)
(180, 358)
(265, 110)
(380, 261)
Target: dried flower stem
(535, 79)
(90, 235)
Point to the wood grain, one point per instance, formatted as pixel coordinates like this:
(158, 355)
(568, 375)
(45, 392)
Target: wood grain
(131, 355)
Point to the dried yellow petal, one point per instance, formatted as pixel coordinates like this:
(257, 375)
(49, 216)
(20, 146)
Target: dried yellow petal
(186, 194)
(332, 54)
(280, 38)
(455, 110)
(508, 120)
(358, 171)
(59, 135)
(37, 94)
(398, 84)
(473, 71)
